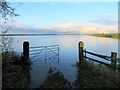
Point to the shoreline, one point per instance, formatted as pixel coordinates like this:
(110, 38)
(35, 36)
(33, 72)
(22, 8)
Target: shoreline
(35, 34)
(115, 36)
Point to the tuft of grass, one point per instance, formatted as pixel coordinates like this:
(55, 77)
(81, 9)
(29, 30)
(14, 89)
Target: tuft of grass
(56, 79)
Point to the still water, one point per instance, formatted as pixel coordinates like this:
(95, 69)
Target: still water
(68, 53)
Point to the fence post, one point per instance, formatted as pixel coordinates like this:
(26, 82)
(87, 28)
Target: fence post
(81, 55)
(114, 55)
(26, 49)
(85, 54)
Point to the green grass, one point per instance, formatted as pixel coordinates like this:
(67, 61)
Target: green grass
(116, 36)
(96, 76)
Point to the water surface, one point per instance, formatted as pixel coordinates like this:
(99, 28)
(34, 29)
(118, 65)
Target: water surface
(68, 53)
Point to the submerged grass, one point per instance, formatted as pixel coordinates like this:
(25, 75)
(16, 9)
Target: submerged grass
(96, 76)
(56, 79)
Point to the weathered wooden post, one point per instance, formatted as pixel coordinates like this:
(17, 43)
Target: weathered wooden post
(26, 49)
(81, 55)
(85, 54)
(113, 61)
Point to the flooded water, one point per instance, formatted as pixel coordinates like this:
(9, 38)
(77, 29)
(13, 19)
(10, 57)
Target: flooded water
(68, 53)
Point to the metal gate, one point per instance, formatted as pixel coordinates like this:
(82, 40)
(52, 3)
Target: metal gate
(44, 53)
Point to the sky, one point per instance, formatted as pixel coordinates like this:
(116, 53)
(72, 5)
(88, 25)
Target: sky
(65, 17)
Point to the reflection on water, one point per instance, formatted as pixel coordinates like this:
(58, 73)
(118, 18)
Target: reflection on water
(68, 53)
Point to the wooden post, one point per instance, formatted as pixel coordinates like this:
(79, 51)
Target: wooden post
(26, 49)
(81, 55)
(114, 55)
(85, 55)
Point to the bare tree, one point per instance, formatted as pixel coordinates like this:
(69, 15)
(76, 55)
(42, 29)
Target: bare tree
(6, 14)
(7, 10)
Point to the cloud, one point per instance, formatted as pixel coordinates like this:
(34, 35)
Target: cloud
(52, 3)
(31, 17)
(21, 25)
(106, 19)
(24, 28)
(68, 28)
(72, 27)
(64, 19)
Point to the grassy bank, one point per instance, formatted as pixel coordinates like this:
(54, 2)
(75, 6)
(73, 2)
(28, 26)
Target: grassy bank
(96, 76)
(15, 74)
(116, 36)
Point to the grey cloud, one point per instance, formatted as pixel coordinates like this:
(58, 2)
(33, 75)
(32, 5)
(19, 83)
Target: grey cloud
(31, 30)
(106, 20)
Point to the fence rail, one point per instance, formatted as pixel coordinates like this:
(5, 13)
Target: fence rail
(101, 56)
(83, 56)
(44, 46)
